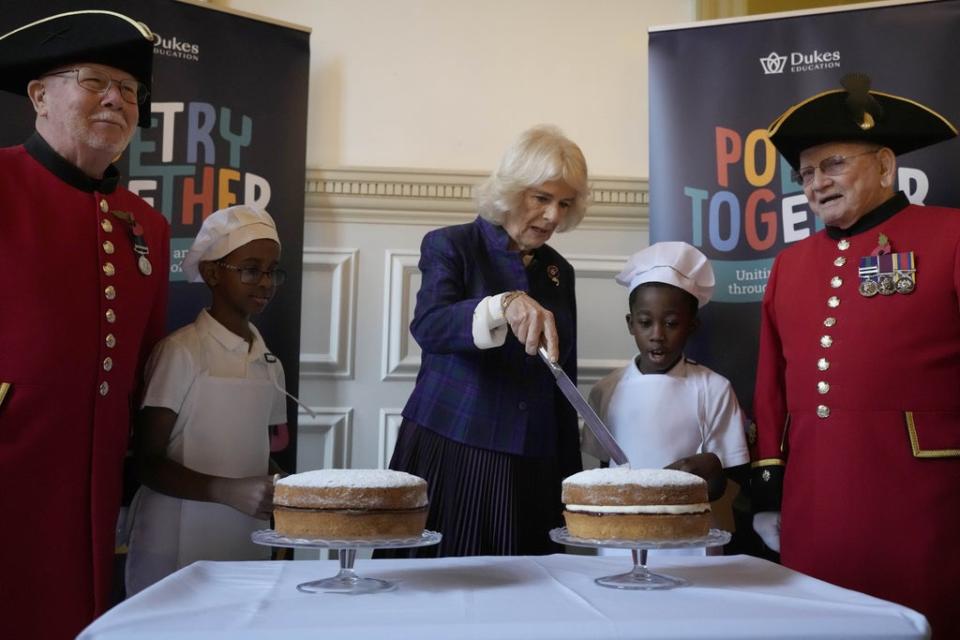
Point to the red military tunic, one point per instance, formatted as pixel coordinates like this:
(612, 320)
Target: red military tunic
(860, 398)
(78, 318)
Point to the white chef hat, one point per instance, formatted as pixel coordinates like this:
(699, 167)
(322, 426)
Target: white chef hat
(226, 230)
(675, 263)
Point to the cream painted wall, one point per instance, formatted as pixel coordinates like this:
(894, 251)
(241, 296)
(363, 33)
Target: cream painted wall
(447, 84)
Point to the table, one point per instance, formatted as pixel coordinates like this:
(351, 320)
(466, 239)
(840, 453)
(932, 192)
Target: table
(528, 597)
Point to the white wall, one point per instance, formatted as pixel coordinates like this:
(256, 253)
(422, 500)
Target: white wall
(447, 84)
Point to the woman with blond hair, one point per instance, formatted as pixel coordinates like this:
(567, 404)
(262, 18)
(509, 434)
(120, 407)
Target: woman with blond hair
(486, 425)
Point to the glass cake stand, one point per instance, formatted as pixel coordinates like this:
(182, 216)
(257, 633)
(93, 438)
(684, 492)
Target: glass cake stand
(640, 577)
(346, 581)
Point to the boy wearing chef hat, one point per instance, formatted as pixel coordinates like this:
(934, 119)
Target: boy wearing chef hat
(213, 389)
(663, 408)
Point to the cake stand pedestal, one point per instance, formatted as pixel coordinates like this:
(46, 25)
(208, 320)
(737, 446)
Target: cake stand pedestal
(640, 577)
(346, 581)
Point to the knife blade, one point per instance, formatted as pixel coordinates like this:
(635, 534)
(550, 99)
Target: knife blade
(590, 417)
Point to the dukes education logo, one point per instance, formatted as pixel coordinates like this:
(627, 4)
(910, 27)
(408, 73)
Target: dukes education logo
(176, 48)
(775, 63)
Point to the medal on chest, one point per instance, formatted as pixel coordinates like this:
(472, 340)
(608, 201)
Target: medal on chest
(140, 248)
(886, 272)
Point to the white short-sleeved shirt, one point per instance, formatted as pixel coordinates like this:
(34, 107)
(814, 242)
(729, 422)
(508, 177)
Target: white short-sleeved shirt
(206, 347)
(659, 418)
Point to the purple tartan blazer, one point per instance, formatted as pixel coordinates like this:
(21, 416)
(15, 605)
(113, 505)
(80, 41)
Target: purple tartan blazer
(501, 398)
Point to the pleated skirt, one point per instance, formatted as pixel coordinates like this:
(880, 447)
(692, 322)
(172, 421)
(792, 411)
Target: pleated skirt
(483, 502)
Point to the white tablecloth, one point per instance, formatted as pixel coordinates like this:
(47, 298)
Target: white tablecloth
(550, 597)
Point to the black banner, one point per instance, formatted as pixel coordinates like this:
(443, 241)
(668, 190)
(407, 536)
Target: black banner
(717, 182)
(229, 127)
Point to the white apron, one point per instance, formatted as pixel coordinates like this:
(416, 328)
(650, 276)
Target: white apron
(228, 437)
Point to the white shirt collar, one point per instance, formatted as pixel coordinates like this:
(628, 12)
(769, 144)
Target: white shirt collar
(231, 342)
(678, 370)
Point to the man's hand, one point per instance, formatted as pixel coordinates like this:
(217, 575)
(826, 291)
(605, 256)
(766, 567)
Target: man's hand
(767, 526)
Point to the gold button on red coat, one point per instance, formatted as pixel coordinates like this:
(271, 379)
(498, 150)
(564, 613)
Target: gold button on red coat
(110, 293)
(104, 205)
(108, 247)
(823, 411)
(106, 225)
(108, 269)
(110, 341)
(104, 388)
(107, 363)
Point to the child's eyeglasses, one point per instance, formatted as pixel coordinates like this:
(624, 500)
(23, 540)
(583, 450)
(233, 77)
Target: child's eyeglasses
(252, 275)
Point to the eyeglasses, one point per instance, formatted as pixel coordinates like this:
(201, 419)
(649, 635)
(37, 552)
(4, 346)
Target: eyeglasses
(252, 275)
(132, 91)
(831, 166)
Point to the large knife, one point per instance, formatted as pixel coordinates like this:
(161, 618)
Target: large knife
(590, 417)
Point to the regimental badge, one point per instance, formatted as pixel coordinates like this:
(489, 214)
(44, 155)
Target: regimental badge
(554, 272)
(883, 245)
(887, 274)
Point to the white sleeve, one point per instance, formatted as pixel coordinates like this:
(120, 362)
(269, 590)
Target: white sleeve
(489, 324)
(725, 428)
(169, 374)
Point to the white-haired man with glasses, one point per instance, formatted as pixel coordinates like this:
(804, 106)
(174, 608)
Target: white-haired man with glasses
(88, 266)
(857, 459)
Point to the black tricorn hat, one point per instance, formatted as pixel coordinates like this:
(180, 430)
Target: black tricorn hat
(855, 113)
(103, 37)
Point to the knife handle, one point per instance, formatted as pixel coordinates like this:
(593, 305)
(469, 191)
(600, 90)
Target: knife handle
(546, 357)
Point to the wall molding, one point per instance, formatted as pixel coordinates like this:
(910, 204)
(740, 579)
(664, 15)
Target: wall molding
(435, 198)
(337, 361)
(603, 268)
(400, 362)
(388, 428)
(329, 432)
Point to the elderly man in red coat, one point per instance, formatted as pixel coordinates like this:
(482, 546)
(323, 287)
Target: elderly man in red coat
(858, 385)
(85, 266)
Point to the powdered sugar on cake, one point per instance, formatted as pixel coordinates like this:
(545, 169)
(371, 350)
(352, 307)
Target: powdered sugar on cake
(351, 478)
(627, 476)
